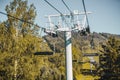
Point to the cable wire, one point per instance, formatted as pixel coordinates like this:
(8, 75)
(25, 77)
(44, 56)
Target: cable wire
(62, 15)
(53, 7)
(66, 6)
(88, 28)
(85, 11)
(71, 13)
(19, 19)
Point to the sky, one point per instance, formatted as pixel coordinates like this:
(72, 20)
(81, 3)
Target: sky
(105, 15)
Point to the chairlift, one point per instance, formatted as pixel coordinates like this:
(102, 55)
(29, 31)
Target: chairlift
(43, 53)
(90, 54)
(52, 33)
(86, 29)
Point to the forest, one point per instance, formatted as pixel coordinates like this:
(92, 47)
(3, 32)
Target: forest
(19, 41)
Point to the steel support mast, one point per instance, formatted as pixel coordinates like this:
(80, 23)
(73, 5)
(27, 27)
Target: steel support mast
(68, 44)
(67, 28)
(68, 55)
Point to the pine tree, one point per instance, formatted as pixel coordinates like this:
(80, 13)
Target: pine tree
(109, 60)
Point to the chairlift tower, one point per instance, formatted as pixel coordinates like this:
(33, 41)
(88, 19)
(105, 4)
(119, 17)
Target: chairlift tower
(67, 26)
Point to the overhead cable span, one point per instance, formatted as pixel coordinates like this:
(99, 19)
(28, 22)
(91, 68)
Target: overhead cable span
(85, 11)
(71, 13)
(53, 7)
(19, 19)
(88, 28)
(62, 15)
(66, 6)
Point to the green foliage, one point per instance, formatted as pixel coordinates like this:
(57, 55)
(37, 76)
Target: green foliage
(18, 43)
(19, 9)
(110, 60)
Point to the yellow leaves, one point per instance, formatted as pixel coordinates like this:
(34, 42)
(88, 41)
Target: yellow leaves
(22, 48)
(83, 77)
(27, 67)
(113, 48)
(76, 53)
(88, 66)
(20, 10)
(62, 69)
(12, 31)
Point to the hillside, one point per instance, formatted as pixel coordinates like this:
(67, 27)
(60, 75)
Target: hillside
(47, 67)
(78, 41)
(80, 45)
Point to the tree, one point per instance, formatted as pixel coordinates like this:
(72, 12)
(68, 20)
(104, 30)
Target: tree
(19, 9)
(18, 42)
(109, 60)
